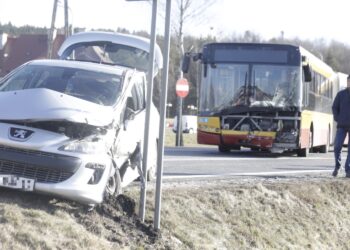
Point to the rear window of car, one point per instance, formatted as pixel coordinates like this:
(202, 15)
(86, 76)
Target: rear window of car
(108, 53)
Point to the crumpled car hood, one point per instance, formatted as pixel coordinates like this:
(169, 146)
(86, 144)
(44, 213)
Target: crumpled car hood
(47, 105)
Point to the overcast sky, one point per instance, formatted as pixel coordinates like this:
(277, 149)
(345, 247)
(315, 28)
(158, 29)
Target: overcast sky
(306, 19)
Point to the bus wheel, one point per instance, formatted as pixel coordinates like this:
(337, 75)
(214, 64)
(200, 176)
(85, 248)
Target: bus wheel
(223, 149)
(236, 147)
(303, 152)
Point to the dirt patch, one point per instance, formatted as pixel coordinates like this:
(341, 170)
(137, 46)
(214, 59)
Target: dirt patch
(117, 221)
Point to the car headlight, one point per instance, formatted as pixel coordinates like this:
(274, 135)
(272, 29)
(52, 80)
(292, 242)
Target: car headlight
(85, 147)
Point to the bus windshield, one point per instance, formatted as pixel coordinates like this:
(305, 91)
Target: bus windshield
(231, 85)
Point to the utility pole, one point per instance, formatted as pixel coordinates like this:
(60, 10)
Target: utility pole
(66, 23)
(52, 29)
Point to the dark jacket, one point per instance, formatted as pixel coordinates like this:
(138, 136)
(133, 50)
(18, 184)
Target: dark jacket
(341, 109)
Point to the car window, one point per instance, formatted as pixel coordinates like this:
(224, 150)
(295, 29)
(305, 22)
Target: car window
(94, 86)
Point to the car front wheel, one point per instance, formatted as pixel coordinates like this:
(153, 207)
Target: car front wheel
(114, 185)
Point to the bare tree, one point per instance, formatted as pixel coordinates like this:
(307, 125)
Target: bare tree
(185, 11)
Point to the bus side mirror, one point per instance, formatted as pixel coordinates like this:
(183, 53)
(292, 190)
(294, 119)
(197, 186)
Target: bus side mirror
(186, 61)
(307, 73)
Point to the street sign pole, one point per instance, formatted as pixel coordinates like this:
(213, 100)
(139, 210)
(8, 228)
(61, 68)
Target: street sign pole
(150, 77)
(179, 139)
(163, 107)
(182, 88)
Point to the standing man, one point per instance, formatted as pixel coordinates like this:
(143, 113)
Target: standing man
(341, 114)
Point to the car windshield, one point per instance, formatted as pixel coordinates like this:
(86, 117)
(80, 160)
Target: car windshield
(108, 53)
(94, 86)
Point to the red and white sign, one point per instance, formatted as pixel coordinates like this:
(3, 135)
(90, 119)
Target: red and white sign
(182, 87)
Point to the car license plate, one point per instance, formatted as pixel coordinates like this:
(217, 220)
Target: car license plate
(12, 181)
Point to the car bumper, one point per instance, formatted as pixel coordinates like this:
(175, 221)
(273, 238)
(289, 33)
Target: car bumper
(63, 175)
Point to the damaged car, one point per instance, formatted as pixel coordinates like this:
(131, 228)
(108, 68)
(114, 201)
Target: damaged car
(74, 129)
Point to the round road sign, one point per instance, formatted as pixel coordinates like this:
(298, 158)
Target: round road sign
(182, 87)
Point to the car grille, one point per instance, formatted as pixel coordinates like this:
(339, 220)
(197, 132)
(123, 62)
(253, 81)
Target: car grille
(27, 151)
(28, 170)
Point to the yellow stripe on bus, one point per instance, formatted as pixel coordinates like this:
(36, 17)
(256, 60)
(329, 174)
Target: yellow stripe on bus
(255, 133)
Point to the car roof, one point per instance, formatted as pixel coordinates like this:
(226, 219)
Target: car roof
(113, 37)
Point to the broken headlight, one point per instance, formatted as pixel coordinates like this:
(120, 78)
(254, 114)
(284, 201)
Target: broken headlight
(85, 147)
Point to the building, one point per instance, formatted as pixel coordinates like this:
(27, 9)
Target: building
(15, 51)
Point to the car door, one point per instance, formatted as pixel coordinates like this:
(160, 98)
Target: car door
(132, 127)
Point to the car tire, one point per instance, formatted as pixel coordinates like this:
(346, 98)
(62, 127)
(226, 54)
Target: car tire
(114, 185)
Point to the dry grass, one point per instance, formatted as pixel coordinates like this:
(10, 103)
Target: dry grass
(293, 213)
(290, 214)
(30, 228)
(170, 138)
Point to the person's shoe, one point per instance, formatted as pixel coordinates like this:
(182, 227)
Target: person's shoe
(335, 172)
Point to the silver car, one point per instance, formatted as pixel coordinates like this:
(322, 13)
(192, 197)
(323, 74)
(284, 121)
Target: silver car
(73, 129)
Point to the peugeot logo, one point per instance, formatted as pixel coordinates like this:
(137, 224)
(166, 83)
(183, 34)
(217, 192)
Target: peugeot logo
(20, 134)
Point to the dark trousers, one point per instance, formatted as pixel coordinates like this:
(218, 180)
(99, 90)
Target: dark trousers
(338, 144)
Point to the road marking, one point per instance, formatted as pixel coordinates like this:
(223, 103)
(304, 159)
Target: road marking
(178, 159)
(245, 174)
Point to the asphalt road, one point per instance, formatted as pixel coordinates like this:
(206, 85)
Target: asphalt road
(207, 162)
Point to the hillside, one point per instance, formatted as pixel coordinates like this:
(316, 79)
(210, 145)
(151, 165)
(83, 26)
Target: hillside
(294, 213)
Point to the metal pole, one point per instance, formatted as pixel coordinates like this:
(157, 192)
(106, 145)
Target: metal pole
(163, 107)
(179, 137)
(148, 112)
(66, 23)
(50, 38)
